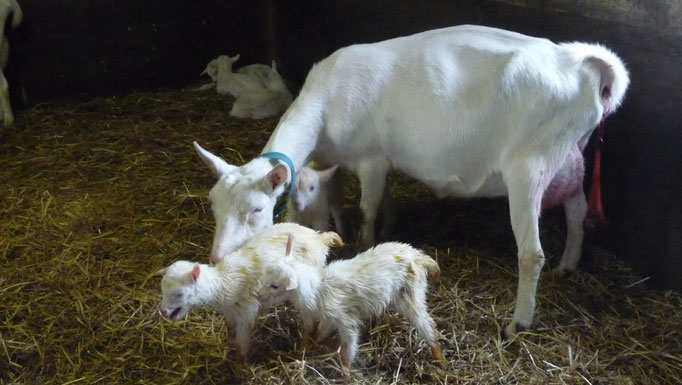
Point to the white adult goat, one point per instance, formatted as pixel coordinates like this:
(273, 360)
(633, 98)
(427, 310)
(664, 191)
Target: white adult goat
(470, 111)
(8, 8)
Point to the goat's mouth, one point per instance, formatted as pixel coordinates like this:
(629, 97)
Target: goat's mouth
(174, 315)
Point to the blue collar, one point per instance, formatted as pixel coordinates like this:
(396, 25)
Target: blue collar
(279, 156)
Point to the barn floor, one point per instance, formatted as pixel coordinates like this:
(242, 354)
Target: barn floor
(96, 196)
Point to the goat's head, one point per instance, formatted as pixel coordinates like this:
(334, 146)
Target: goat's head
(242, 200)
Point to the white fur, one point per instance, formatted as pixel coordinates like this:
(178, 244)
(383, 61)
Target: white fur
(470, 111)
(8, 8)
(230, 285)
(317, 195)
(259, 90)
(228, 82)
(270, 100)
(345, 293)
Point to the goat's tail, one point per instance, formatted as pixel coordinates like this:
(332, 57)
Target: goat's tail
(332, 239)
(610, 69)
(429, 264)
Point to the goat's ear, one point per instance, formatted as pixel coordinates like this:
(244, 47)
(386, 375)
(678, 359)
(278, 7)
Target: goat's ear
(235, 58)
(195, 272)
(292, 283)
(274, 65)
(217, 166)
(161, 272)
(277, 177)
(290, 244)
(327, 174)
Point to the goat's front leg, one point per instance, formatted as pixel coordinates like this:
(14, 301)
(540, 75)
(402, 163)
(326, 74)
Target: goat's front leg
(335, 199)
(526, 183)
(244, 320)
(387, 214)
(308, 329)
(324, 329)
(372, 175)
(348, 334)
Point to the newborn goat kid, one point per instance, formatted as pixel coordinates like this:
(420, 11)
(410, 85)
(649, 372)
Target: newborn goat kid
(272, 99)
(228, 82)
(317, 194)
(345, 293)
(230, 285)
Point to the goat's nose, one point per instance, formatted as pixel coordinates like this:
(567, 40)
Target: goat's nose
(215, 259)
(164, 312)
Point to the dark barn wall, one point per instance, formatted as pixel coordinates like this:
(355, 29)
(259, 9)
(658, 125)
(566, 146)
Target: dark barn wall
(642, 159)
(95, 47)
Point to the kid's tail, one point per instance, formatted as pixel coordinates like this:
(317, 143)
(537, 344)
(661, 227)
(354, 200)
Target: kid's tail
(332, 239)
(429, 264)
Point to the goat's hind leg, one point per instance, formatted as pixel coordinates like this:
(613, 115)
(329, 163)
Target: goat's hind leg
(413, 307)
(526, 182)
(575, 209)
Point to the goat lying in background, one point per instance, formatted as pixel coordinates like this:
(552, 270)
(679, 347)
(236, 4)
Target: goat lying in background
(259, 90)
(8, 8)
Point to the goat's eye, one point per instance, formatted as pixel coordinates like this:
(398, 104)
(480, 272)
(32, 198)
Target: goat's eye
(178, 295)
(312, 188)
(274, 287)
(256, 210)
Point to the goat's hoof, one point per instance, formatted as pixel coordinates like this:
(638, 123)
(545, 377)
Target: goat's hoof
(562, 272)
(438, 357)
(512, 330)
(240, 365)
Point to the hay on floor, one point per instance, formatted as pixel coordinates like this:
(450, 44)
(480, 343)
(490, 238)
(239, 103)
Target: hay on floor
(96, 196)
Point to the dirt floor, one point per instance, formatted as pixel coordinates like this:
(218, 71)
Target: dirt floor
(96, 196)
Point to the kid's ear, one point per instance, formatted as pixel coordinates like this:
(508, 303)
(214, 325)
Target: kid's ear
(293, 284)
(195, 272)
(327, 174)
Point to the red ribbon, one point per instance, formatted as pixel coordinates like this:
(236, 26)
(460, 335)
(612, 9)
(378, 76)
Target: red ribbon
(594, 203)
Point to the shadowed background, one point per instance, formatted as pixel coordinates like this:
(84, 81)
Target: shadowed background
(80, 49)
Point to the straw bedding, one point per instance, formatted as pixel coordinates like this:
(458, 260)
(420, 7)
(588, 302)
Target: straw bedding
(96, 196)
